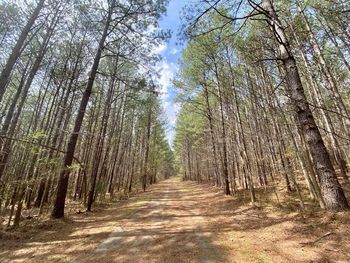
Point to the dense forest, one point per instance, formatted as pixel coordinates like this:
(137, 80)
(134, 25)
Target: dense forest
(265, 98)
(80, 115)
(261, 137)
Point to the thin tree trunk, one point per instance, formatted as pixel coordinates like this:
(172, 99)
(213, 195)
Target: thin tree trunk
(16, 51)
(62, 186)
(332, 192)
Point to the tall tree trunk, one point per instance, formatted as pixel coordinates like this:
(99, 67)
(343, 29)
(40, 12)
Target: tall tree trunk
(330, 80)
(148, 135)
(16, 51)
(332, 192)
(62, 184)
(212, 135)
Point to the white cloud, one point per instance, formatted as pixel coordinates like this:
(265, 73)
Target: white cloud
(174, 51)
(160, 49)
(167, 72)
(171, 111)
(151, 29)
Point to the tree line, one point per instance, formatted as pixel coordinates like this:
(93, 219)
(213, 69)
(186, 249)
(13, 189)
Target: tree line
(264, 90)
(80, 116)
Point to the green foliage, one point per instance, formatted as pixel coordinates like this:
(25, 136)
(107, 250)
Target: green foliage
(74, 167)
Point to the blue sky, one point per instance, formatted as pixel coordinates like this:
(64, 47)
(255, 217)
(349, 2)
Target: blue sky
(168, 67)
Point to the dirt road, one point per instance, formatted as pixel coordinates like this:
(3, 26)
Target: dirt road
(169, 226)
(184, 222)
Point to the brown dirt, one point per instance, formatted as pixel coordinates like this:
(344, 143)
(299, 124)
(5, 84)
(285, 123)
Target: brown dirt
(184, 222)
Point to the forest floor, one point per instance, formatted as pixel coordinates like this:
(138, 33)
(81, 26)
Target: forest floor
(177, 221)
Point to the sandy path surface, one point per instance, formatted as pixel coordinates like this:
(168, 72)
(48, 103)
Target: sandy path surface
(176, 222)
(168, 227)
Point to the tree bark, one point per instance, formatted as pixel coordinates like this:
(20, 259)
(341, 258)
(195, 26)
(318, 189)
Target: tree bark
(62, 185)
(331, 190)
(16, 51)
